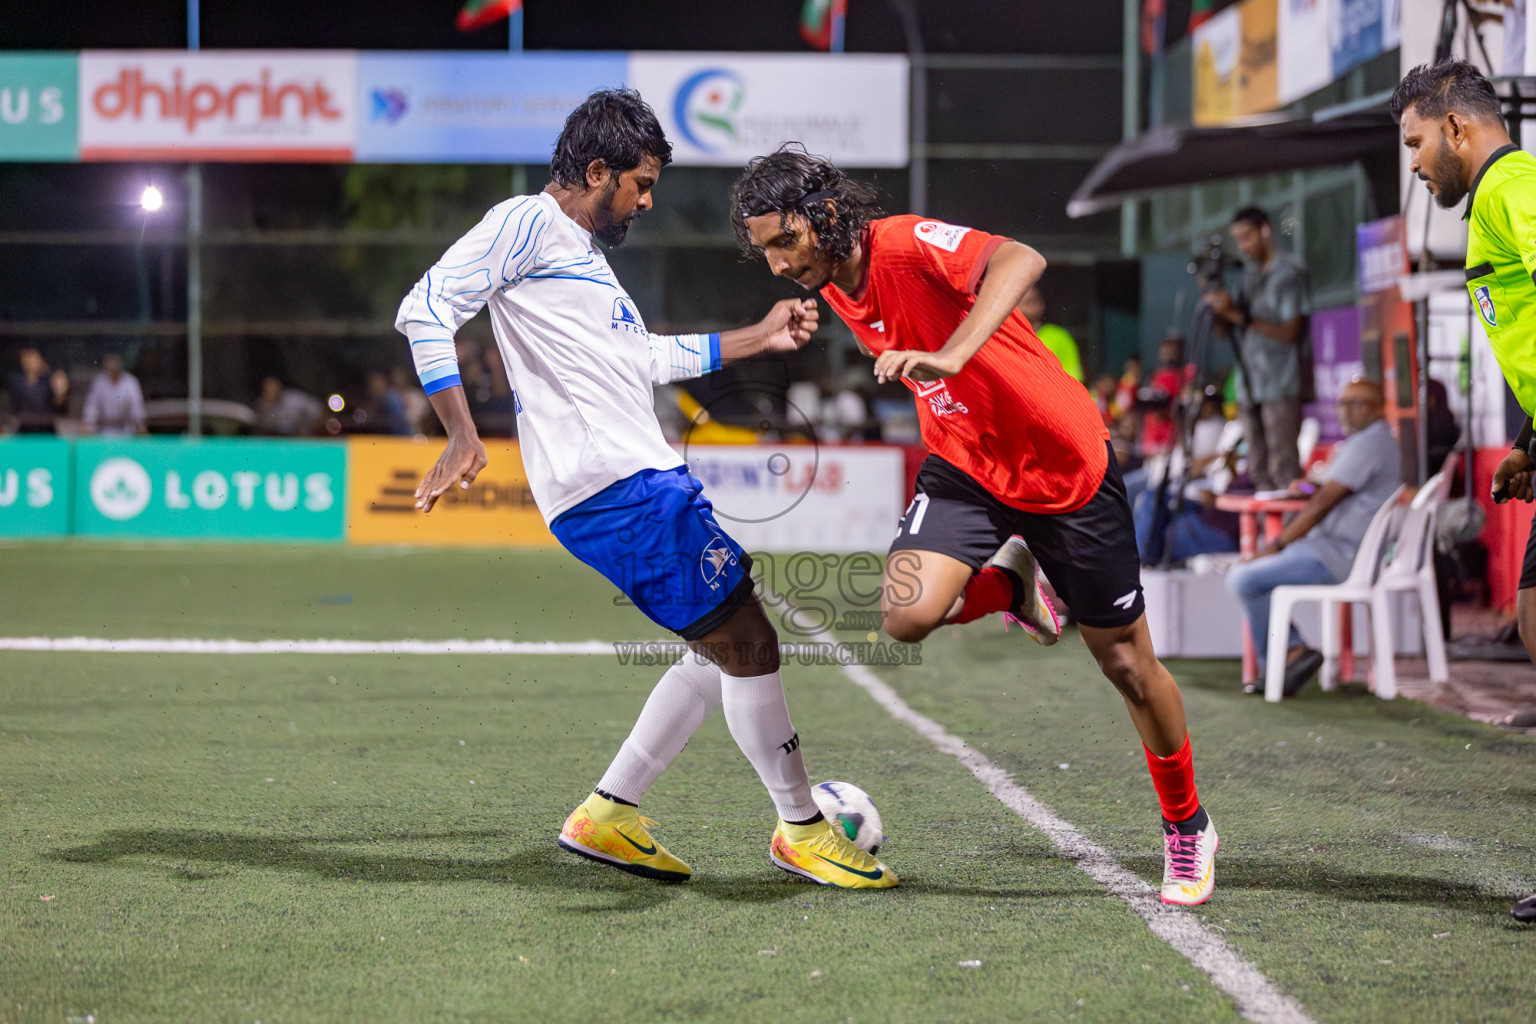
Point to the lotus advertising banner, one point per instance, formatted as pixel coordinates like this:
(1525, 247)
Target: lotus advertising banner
(722, 109)
(39, 112)
(241, 488)
(34, 487)
(481, 107)
(235, 105)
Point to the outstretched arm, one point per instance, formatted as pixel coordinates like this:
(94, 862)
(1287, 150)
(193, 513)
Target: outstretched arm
(786, 328)
(1011, 270)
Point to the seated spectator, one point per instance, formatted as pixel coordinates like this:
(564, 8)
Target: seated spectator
(285, 411)
(1193, 526)
(1319, 545)
(1440, 427)
(413, 399)
(32, 406)
(114, 405)
(383, 411)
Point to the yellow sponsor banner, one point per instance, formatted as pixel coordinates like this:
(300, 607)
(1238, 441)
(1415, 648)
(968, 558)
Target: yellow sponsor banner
(497, 509)
(1258, 67)
(1216, 46)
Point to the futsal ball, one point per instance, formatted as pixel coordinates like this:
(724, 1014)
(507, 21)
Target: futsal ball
(849, 808)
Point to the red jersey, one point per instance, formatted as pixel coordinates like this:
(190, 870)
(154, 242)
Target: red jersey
(1012, 418)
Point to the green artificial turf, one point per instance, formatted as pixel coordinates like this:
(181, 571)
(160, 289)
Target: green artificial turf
(371, 837)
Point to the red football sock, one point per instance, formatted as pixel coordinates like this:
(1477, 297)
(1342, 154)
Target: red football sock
(1174, 778)
(990, 590)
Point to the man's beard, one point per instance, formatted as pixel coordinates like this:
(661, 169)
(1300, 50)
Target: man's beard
(613, 232)
(1445, 172)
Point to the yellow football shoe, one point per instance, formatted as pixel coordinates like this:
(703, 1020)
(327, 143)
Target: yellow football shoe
(826, 856)
(615, 834)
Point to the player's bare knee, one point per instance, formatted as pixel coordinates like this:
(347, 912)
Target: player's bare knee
(910, 624)
(1131, 673)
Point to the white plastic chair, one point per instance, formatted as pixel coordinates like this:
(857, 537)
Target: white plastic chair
(1412, 569)
(1357, 586)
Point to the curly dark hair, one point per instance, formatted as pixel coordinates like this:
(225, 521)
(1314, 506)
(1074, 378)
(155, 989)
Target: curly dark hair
(1434, 90)
(790, 180)
(615, 126)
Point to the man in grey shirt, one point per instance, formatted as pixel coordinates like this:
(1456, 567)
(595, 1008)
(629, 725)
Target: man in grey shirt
(1269, 314)
(1319, 545)
(114, 407)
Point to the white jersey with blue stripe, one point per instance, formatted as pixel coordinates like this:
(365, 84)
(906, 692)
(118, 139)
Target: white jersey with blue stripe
(577, 353)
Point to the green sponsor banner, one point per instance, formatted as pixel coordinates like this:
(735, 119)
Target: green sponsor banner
(228, 489)
(34, 487)
(39, 106)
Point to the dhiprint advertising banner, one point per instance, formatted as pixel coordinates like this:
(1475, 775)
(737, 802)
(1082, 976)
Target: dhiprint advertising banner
(242, 106)
(235, 105)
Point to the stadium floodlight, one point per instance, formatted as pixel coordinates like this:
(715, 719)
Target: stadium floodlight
(152, 199)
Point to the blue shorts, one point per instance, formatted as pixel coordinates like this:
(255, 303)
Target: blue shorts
(654, 536)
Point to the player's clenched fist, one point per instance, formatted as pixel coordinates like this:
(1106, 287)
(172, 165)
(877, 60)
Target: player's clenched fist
(789, 325)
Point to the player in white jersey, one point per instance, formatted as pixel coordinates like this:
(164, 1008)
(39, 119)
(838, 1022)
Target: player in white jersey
(616, 495)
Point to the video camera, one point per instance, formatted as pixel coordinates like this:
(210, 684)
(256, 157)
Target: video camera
(1211, 264)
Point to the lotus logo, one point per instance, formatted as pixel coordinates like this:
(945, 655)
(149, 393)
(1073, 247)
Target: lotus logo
(388, 105)
(120, 489)
(707, 106)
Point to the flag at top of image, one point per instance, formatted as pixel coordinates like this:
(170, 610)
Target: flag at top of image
(478, 14)
(821, 24)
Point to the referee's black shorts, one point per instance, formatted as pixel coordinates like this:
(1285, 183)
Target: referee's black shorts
(1528, 569)
(1089, 555)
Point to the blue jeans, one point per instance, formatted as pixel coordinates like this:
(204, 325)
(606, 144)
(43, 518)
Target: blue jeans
(1253, 582)
(1188, 533)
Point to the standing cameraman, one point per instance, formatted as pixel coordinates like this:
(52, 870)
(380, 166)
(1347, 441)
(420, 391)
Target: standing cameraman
(1269, 316)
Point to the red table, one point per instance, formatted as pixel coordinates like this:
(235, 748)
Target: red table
(1255, 514)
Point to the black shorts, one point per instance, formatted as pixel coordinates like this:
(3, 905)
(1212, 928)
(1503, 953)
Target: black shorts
(1089, 555)
(1528, 569)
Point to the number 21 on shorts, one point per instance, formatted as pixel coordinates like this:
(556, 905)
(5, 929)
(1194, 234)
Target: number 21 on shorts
(912, 519)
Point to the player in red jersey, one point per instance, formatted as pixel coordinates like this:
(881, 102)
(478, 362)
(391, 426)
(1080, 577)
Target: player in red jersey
(1020, 469)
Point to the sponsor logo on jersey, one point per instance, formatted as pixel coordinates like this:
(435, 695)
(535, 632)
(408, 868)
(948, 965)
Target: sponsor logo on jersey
(707, 109)
(878, 325)
(625, 316)
(940, 235)
(940, 401)
(1485, 306)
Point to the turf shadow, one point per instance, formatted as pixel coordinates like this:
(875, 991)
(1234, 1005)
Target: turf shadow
(542, 868)
(1339, 882)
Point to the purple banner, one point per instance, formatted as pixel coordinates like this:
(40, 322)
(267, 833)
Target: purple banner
(1335, 362)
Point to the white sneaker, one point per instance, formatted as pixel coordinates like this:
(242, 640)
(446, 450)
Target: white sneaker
(1189, 865)
(1034, 612)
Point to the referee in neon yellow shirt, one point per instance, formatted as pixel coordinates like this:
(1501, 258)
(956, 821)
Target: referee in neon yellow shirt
(1459, 147)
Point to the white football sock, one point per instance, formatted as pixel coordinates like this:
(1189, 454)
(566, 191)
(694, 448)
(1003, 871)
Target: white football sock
(758, 717)
(687, 695)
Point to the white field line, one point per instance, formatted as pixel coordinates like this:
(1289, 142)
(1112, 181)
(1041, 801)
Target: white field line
(171, 645)
(635, 651)
(1256, 997)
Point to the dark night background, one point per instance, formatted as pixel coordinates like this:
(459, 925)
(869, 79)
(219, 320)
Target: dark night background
(319, 313)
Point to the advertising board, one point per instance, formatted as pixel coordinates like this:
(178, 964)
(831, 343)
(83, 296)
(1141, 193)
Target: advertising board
(230, 489)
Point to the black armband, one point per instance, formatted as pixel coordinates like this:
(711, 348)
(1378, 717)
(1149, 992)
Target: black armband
(1524, 438)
